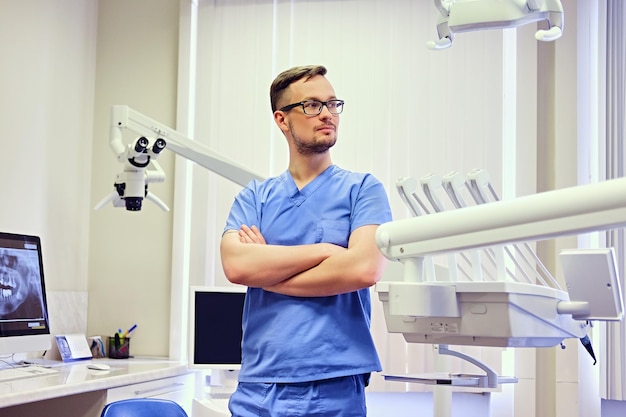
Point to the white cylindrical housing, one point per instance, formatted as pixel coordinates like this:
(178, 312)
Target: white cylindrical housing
(545, 215)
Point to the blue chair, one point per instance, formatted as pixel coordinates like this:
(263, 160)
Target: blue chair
(143, 407)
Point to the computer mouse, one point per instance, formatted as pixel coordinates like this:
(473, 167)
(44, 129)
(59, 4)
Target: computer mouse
(98, 366)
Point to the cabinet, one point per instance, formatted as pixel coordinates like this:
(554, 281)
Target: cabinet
(178, 388)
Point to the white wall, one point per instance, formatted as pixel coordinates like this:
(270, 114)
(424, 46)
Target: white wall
(47, 73)
(48, 61)
(130, 253)
(64, 63)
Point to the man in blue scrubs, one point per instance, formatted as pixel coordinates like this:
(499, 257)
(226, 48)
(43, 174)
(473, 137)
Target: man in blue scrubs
(304, 244)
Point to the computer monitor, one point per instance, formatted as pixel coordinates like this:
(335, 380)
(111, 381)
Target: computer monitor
(24, 325)
(215, 327)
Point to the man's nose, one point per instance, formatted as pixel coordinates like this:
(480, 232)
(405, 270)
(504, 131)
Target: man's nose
(325, 113)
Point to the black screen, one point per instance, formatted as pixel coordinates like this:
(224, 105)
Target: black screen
(217, 327)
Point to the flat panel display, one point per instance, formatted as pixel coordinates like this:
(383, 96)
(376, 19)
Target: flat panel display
(216, 327)
(24, 325)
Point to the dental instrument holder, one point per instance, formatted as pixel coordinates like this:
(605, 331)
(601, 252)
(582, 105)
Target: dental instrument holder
(528, 315)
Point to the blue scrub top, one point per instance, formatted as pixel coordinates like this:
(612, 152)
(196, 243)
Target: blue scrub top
(297, 339)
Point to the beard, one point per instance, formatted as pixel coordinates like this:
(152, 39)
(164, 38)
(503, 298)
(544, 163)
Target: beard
(314, 146)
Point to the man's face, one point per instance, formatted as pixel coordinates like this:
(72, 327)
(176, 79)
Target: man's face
(311, 134)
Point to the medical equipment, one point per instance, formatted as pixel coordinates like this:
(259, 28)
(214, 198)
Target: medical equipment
(517, 308)
(131, 186)
(459, 16)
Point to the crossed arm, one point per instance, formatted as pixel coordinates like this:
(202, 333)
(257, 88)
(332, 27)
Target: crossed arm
(313, 270)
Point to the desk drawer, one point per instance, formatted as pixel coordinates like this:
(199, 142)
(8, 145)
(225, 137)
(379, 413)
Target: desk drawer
(171, 388)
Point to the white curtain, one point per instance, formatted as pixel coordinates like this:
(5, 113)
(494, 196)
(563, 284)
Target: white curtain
(409, 111)
(614, 368)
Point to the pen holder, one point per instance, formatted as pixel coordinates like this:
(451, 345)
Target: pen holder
(119, 347)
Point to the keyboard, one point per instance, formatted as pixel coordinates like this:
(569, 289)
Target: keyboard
(10, 374)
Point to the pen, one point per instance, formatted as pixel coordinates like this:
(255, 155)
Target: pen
(133, 327)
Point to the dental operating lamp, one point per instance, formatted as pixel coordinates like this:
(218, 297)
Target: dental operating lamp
(458, 16)
(139, 158)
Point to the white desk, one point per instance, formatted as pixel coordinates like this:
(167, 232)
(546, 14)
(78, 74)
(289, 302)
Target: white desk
(78, 391)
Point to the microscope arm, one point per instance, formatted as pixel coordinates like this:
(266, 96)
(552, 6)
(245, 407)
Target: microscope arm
(131, 185)
(123, 117)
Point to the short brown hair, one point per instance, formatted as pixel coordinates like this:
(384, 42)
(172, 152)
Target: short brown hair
(290, 76)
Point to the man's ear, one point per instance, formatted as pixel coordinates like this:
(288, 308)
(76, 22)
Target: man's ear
(280, 119)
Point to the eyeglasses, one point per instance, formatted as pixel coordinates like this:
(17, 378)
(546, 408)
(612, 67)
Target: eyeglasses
(314, 107)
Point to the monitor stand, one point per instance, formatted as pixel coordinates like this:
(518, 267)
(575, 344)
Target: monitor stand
(226, 378)
(221, 384)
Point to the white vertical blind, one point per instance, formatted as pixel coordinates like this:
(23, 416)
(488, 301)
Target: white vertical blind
(613, 382)
(409, 111)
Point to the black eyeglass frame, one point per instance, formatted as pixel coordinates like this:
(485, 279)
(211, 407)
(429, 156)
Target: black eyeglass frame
(324, 103)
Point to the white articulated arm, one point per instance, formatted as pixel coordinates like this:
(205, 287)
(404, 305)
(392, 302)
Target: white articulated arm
(131, 185)
(125, 117)
(535, 217)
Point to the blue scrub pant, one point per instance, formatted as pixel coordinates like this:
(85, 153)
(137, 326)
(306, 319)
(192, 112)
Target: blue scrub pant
(340, 397)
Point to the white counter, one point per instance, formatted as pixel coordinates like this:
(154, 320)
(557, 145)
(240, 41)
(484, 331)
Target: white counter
(79, 391)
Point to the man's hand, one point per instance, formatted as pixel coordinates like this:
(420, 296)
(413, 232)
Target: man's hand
(265, 264)
(359, 266)
(251, 235)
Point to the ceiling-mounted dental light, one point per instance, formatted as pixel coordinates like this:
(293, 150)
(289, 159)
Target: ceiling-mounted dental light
(459, 16)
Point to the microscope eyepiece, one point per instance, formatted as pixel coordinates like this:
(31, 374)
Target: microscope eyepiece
(158, 146)
(141, 145)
